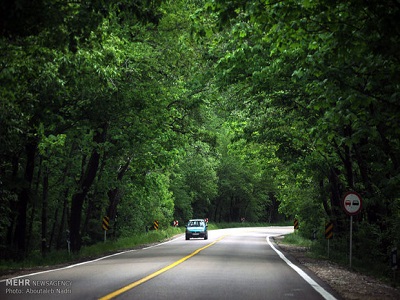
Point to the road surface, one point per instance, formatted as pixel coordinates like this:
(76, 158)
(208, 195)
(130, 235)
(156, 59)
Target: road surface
(232, 264)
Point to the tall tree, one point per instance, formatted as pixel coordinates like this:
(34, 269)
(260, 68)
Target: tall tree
(317, 79)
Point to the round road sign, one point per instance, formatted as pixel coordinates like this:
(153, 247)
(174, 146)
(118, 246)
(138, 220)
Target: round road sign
(352, 203)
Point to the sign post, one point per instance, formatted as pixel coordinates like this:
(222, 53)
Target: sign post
(352, 204)
(68, 242)
(105, 225)
(296, 224)
(328, 233)
(155, 225)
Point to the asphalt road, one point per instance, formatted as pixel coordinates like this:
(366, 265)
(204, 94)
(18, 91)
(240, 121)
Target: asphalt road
(232, 264)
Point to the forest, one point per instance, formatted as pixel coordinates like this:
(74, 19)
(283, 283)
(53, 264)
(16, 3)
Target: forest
(143, 110)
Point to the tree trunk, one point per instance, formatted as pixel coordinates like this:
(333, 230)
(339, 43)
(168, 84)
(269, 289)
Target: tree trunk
(85, 183)
(60, 237)
(13, 205)
(387, 148)
(53, 228)
(60, 240)
(33, 209)
(55, 219)
(44, 210)
(94, 208)
(115, 195)
(348, 162)
(336, 192)
(273, 208)
(324, 198)
(23, 199)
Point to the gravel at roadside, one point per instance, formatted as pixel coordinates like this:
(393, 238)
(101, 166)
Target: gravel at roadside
(347, 283)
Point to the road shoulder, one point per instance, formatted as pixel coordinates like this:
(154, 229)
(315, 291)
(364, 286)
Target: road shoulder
(346, 283)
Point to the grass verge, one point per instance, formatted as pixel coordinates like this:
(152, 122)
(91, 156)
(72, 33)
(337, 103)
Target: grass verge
(296, 239)
(54, 258)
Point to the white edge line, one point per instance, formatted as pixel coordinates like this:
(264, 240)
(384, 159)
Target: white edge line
(86, 262)
(307, 278)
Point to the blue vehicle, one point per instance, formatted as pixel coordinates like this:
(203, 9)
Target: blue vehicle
(196, 228)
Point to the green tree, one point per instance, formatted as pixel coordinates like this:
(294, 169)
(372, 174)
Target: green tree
(317, 80)
(195, 182)
(96, 81)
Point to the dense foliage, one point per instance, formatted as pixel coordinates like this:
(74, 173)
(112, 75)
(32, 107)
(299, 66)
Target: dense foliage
(167, 110)
(318, 82)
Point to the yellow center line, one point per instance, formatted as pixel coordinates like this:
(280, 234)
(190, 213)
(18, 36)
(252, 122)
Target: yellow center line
(151, 276)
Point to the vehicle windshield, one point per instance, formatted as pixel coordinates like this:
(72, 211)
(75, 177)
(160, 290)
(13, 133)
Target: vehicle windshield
(196, 224)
